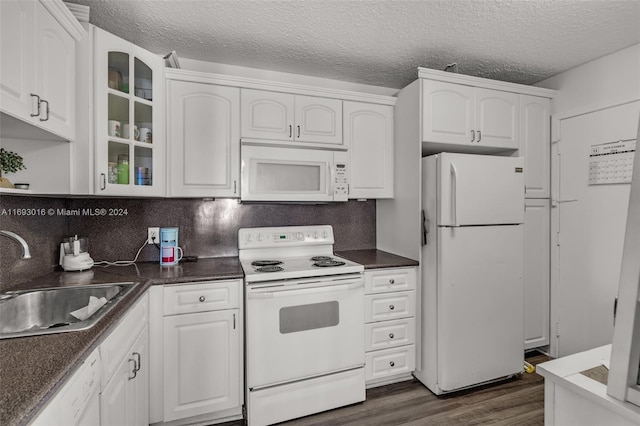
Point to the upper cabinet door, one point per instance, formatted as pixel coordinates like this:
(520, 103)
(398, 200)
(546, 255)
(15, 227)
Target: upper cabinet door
(129, 118)
(266, 115)
(17, 67)
(497, 118)
(447, 113)
(318, 120)
(55, 74)
(368, 133)
(535, 144)
(203, 125)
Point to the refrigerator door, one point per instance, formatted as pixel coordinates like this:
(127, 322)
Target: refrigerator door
(479, 189)
(480, 304)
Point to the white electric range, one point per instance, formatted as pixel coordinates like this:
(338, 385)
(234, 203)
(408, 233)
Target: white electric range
(304, 310)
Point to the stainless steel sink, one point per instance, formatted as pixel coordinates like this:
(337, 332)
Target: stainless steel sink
(48, 310)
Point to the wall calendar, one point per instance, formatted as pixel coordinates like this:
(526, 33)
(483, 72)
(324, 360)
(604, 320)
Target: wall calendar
(611, 162)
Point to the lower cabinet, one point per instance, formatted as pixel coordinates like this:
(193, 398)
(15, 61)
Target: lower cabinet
(124, 399)
(536, 273)
(390, 326)
(198, 329)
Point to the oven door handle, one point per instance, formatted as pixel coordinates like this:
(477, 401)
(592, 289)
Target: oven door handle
(296, 290)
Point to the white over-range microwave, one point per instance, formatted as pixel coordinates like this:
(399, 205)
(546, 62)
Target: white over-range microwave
(285, 173)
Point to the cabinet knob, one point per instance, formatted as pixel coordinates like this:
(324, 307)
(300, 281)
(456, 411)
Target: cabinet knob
(392, 307)
(392, 281)
(392, 364)
(202, 299)
(391, 335)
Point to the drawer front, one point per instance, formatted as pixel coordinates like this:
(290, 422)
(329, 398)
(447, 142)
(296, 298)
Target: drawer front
(117, 344)
(386, 280)
(390, 362)
(386, 306)
(389, 334)
(201, 297)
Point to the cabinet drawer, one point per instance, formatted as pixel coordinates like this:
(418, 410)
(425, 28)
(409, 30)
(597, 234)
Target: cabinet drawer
(117, 344)
(386, 306)
(202, 297)
(387, 280)
(390, 362)
(388, 334)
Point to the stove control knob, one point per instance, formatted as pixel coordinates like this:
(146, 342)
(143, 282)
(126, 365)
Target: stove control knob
(249, 238)
(325, 234)
(315, 235)
(300, 236)
(259, 237)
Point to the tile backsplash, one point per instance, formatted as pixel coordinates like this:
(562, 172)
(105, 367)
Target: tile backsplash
(117, 227)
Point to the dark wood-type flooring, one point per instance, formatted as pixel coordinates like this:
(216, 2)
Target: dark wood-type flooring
(517, 401)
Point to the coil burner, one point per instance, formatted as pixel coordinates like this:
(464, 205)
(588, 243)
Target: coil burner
(329, 263)
(270, 268)
(266, 263)
(320, 258)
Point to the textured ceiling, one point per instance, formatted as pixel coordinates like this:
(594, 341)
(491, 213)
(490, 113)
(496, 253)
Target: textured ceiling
(379, 42)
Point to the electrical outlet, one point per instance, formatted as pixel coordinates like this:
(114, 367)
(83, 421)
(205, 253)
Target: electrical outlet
(153, 235)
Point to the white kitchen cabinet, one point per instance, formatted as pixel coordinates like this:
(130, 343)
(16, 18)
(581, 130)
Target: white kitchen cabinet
(468, 117)
(198, 330)
(390, 328)
(203, 127)
(536, 272)
(288, 117)
(368, 134)
(124, 398)
(121, 127)
(535, 145)
(37, 76)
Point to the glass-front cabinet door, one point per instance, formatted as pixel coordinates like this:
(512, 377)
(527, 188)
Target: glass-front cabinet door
(129, 125)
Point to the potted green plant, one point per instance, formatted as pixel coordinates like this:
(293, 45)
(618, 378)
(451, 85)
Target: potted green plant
(10, 162)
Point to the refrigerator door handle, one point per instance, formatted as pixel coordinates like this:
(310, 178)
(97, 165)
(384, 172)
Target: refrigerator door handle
(425, 228)
(454, 193)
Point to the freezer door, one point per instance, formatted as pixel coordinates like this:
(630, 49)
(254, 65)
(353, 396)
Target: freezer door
(479, 189)
(480, 304)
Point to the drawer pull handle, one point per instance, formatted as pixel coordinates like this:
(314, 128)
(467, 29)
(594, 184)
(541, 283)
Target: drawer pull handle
(391, 335)
(392, 364)
(392, 307)
(392, 281)
(202, 299)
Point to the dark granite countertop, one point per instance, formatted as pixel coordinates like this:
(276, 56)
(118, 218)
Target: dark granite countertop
(33, 369)
(374, 259)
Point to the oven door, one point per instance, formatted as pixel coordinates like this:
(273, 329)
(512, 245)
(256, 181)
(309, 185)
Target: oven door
(304, 328)
(271, 173)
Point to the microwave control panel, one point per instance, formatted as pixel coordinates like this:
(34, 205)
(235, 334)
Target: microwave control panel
(340, 184)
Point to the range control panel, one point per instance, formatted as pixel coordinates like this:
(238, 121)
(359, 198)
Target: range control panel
(251, 238)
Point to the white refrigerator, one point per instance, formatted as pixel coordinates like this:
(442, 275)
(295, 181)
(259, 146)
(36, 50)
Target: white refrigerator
(472, 269)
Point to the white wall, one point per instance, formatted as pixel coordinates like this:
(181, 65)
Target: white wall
(595, 104)
(608, 79)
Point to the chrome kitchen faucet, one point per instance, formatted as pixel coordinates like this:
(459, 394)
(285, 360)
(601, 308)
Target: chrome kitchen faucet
(19, 239)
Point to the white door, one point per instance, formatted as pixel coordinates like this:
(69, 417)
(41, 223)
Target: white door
(368, 133)
(535, 144)
(497, 118)
(300, 331)
(447, 112)
(589, 223)
(479, 190)
(536, 272)
(17, 76)
(55, 74)
(318, 120)
(480, 318)
(203, 126)
(266, 115)
(202, 363)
